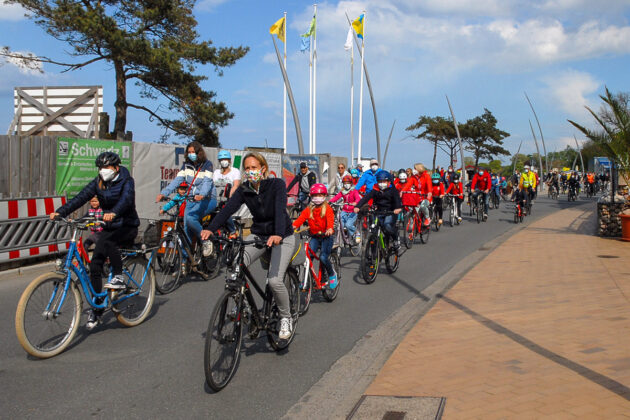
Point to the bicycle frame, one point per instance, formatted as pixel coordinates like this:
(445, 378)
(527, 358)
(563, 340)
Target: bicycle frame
(308, 267)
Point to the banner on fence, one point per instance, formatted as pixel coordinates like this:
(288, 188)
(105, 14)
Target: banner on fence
(291, 166)
(75, 161)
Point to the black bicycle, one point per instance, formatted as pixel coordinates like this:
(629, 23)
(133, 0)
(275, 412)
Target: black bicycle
(376, 248)
(237, 307)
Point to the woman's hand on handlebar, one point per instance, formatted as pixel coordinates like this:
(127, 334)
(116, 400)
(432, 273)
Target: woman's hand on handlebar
(356, 210)
(53, 215)
(205, 234)
(159, 198)
(198, 197)
(274, 240)
(329, 231)
(108, 217)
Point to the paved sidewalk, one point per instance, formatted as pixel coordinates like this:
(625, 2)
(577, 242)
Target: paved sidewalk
(539, 329)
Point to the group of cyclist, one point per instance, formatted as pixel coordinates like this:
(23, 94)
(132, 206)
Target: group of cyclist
(200, 190)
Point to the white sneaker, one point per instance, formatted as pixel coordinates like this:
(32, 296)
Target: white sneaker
(286, 328)
(118, 282)
(357, 238)
(207, 249)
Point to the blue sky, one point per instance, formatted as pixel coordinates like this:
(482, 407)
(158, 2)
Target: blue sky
(481, 53)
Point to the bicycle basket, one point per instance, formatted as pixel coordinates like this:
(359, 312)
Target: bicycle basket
(152, 234)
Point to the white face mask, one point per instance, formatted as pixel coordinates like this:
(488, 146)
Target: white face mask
(480, 172)
(347, 186)
(107, 174)
(374, 168)
(403, 180)
(526, 170)
(383, 185)
(224, 163)
(318, 200)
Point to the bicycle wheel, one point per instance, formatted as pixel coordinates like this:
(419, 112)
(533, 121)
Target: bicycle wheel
(479, 214)
(331, 294)
(424, 231)
(292, 284)
(223, 340)
(45, 326)
(369, 259)
(451, 216)
(133, 304)
(212, 263)
(516, 218)
(436, 224)
(410, 227)
(306, 290)
(355, 247)
(167, 267)
(392, 260)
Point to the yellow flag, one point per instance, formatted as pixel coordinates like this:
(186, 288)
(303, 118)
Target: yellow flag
(278, 28)
(358, 26)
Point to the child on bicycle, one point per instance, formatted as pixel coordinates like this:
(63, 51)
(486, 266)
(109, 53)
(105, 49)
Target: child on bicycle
(321, 221)
(457, 189)
(350, 198)
(96, 212)
(385, 199)
(178, 199)
(438, 194)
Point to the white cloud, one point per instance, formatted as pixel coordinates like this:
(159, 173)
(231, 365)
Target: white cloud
(12, 12)
(572, 91)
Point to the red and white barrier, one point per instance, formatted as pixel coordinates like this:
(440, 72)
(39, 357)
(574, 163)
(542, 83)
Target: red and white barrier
(29, 208)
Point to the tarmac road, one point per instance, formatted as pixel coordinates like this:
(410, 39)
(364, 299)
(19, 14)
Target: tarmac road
(155, 370)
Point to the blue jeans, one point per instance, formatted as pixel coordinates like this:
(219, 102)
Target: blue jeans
(349, 220)
(195, 211)
(326, 244)
(389, 226)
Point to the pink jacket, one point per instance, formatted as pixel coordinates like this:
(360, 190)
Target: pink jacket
(350, 199)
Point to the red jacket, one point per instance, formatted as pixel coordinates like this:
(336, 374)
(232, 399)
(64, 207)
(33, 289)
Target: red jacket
(317, 225)
(425, 183)
(409, 200)
(438, 190)
(456, 189)
(481, 182)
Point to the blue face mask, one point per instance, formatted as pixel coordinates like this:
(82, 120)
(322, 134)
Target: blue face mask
(192, 157)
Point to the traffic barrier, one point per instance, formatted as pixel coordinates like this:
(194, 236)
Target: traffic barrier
(24, 231)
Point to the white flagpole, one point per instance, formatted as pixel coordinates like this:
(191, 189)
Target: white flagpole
(284, 90)
(361, 91)
(315, 81)
(352, 105)
(310, 96)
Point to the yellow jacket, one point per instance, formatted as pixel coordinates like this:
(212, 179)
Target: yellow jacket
(527, 180)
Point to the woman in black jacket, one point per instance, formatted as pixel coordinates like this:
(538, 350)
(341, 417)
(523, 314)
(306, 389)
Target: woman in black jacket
(266, 199)
(115, 190)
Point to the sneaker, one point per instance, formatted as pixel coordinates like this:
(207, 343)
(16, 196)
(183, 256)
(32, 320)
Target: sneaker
(117, 283)
(427, 222)
(286, 328)
(459, 219)
(485, 216)
(440, 222)
(92, 321)
(332, 281)
(397, 244)
(207, 248)
(357, 238)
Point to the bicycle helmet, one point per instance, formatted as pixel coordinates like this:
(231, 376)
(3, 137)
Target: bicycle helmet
(382, 176)
(224, 154)
(319, 189)
(346, 179)
(107, 159)
(354, 173)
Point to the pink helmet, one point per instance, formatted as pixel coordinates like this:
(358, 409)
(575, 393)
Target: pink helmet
(319, 189)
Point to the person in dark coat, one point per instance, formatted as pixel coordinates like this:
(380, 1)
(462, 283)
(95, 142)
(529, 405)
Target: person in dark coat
(114, 187)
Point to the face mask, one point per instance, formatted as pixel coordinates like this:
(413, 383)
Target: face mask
(402, 181)
(526, 170)
(480, 172)
(107, 174)
(450, 171)
(414, 172)
(456, 181)
(253, 176)
(436, 181)
(374, 168)
(383, 185)
(318, 200)
(347, 186)
(223, 163)
(355, 176)
(192, 157)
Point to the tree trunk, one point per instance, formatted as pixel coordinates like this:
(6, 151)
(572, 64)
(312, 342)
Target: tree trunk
(476, 160)
(120, 123)
(434, 154)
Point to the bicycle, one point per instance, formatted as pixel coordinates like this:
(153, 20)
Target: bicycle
(237, 307)
(376, 248)
(311, 280)
(177, 256)
(298, 206)
(413, 224)
(55, 298)
(478, 205)
(452, 206)
(342, 239)
(518, 213)
(495, 200)
(572, 196)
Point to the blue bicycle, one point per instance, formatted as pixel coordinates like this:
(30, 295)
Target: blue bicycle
(49, 311)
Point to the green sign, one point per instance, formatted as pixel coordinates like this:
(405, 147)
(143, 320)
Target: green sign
(75, 161)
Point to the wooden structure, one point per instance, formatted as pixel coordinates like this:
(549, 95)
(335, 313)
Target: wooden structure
(71, 111)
